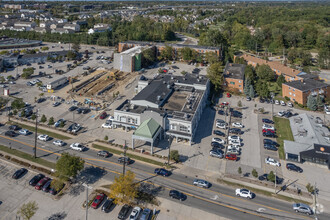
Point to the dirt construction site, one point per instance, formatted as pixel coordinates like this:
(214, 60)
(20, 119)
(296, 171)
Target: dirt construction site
(100, 86)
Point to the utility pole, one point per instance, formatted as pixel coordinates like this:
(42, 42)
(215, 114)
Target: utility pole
(169, 150)
(124, 163)
(275, 182)
(35, 136)
(314, 201)
(86, 201)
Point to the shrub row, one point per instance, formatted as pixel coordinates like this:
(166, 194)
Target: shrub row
(23, 163)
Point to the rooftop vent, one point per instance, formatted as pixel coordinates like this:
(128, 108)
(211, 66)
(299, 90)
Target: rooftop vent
(164, 82)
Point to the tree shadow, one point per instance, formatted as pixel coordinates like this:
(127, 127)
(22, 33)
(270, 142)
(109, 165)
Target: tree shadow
(91, 175)
(57, 216)
(148, 192)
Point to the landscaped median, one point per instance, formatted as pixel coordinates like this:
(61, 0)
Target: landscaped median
(132, 156)
(42, 131)
(283, 131)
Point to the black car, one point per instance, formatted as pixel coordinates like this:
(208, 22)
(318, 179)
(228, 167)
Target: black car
(236, 114)
(14, 127)
(126, 160)
(162, 172)
(46, 187)
(72, 108)
(261, 100)
(19, 173)
(40, 100)
(235, 131)
(268, 134)
(177, 195)
(220, 121)
(222, 112)
(268, 141)
(293, 167)
(10, 133)
(85, 110)
(79, 110)
(107, 205)
(270, 147)
(266, 120)
(216, 145)
(288, 114)
(36, 179)
(217, 132)
(124, 211)
(265, 177)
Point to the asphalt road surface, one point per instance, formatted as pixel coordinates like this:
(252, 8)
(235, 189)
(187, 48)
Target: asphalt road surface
(217, 199)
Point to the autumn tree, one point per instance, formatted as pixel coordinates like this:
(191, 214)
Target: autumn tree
(124, 190)
(28, 210)
(215, 74)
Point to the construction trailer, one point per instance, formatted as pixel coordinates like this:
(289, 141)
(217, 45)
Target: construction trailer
(57, 83)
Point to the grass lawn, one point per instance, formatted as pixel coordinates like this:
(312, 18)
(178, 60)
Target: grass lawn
(132, 156)
(27, 157)
(284, 132)
(42, 131)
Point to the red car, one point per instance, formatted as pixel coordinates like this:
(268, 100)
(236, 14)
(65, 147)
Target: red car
(228, 95)
(103, 115)
(224, 103)
(41, 183)
(268, 130)
(231, 157)
(97, 201)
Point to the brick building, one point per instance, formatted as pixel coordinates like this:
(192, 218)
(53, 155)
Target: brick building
(234, 76)
(299, 90)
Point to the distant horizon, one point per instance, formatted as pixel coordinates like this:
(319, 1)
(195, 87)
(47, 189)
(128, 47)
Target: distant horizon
(167, 1)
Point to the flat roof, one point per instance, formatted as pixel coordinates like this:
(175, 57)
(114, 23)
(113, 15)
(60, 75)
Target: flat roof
(234, 71)
(306, 84)
(171, 45)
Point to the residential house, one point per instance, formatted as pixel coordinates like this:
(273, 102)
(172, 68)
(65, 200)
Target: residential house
(62, 31)
(74, 27)
(56, 25)
(299, 90)
(234, 76)
(45, 24)
(41, 30)
(98, 28)
(24, 24)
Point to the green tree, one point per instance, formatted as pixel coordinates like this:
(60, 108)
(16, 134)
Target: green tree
(149, 57)
(323, 57)
(211, 57)
(212, 38)
(106, 137)
(280, 80)
(310, 188)
(2, 79)
(57, 184)
(17, 104)
(44, 48)
(215, 74)
(174, 155)
(167, 53)
(239, 170)
(51, 121)
(124, 190)
(250, 73)
(254, 173)
(271, 177)
(262, 89)
(68, 166)
(320, 101)
(239, 103)
(265, 72)
(76, 47)
(71, 55)
(23, 113)
(312, 102)
(43, 119)
(187, 54)
(27, 72)
(247, 85)
(62, 124)
(183, 72)
(33, 117)
(27, 211)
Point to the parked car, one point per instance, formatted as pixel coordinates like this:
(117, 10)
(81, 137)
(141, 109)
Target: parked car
(201, 183)
(235, 131)
(219, 133)
(283, 103)
(270, 147)
(303, 208)
(244, 193)
(135, 213)
(107, 125)
(55, 104)
(103, 153)
(98, 200)
(40, 100)
(216, 145)
(293, 167)
(41, 183)
(72, 108)
(36, 179)
(14, 127)
(58, 123)
(235, 147)
(162, 172)
(222, 112)
(177, 195)
(233, 151)
(234, 137)
(220, 121)
(237, 124)
(235, 142)
(107, 205)
(221, 125)
(46, 187)
(268, 130)
(10, 133)
(218, 140)
(43, 137)
(59, 143)
(269, 134)
(216, 153)
(290, 104)
(277, 102)
(248, 98)
(281, 113)
(145, 215)
(24, 132)
(266, 126)
(268, 141)
(77, 146)
(19, 173)
(272, 161)
(265, 177)
(126, 160)
(224, 103)
(103, 115)
(231, 157)
(124, 211)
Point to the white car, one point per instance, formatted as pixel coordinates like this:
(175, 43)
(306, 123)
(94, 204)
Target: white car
(283, 103)
(111, 118)
(77, 146)
(59, 143)
(24, 132)
(232, 151)
(234, 137)
(265, 126)
(201, 183)
(235, 142)
(221, 125)
(235, 147)
(272, 161)
(244, 193)
(135, 213)
(237, 125)
(290, 104)
(107, 125)
(43, 137)
(277, 102)
(218, 140)
(281, 113)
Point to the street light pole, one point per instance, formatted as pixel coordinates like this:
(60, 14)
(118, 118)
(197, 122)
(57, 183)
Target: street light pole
(35, 136)
(86, 201)
(124, 163)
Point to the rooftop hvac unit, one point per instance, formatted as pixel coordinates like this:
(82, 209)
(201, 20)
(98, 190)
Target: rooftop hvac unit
(297, 120)
(159, 98)
(302, 132)
(168, 86)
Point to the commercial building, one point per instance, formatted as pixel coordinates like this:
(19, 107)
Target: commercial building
(122, 46)
(299, 90)
(11, 43)
(311, 140)
(175, 103)
(234, 76)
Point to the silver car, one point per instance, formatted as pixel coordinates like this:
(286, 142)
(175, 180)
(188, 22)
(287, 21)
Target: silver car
(216, 153)
(303, 208)
(201, 183)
